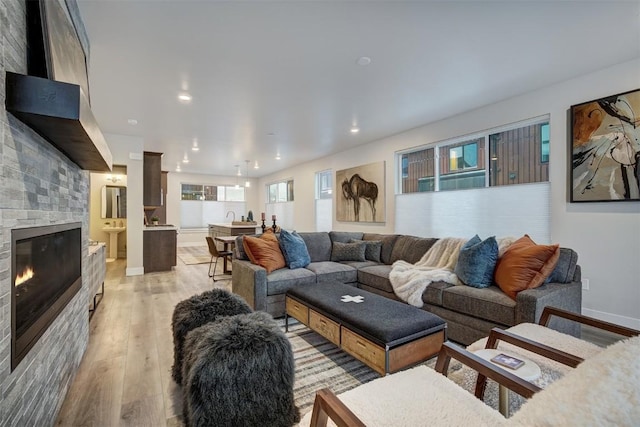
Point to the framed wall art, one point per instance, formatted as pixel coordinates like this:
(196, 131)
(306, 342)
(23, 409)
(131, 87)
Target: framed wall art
(360, 195)
(605, 149)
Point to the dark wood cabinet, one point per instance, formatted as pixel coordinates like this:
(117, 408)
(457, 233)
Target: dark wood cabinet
(161, 212)
(152, 177)
(159, 250)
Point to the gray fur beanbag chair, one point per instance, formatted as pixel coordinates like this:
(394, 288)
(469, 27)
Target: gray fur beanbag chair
(196, 311)
(239, 371)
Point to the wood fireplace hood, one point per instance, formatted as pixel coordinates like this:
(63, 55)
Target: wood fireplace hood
(60, 113)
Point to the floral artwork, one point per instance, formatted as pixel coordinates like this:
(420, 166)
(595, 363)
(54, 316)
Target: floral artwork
(605, 149)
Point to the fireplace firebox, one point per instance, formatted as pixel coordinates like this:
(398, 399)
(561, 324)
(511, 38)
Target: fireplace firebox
(46, 268)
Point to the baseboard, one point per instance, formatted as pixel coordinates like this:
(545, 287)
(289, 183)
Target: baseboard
(629, 322)
(135, 271)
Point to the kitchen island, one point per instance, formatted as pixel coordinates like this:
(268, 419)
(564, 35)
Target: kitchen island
(231, 229)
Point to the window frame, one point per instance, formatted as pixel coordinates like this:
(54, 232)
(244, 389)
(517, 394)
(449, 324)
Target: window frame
(461, 141)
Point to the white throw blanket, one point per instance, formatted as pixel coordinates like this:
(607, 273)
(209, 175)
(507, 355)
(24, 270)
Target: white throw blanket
(410, 280)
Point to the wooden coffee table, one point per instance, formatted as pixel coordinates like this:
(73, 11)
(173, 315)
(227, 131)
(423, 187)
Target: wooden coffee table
(384, 334)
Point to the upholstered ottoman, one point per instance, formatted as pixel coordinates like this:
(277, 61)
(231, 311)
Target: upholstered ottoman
(384, 334)
(197, 311)
(239, 371)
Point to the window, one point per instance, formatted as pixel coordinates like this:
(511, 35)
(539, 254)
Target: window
(544, 145)
(462, 165)
(212, 193)
(280, 192)
(517, 154)
(324, 201)
(324, 185)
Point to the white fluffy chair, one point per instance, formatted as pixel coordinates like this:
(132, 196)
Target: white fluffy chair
(602, 390)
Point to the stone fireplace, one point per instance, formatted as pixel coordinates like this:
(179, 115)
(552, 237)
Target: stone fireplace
(40, 187)
(46, 265)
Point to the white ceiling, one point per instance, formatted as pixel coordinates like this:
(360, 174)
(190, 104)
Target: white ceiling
(269, 77)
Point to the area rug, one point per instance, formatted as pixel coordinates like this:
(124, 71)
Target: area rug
(320, 364)
(190, 255)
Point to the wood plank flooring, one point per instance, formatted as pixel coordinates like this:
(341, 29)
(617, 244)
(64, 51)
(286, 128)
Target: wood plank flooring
(125, 375)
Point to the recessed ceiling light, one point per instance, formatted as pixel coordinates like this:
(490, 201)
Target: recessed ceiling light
(278, 156)
(355, 130)
(363, 60)
(184, 97)
(132, 122)
(256, 166)
(195, 146)
(185, 159)
(178, 167)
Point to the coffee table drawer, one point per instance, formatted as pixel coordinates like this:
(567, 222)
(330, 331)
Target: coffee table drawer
(298, 310)
(325, 327)
(364, 350)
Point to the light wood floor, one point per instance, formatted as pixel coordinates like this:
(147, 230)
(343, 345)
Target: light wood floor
(125, 375)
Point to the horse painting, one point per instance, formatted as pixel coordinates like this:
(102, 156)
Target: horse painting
(357, 188)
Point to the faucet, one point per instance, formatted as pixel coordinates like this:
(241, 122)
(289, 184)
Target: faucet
(234, 215)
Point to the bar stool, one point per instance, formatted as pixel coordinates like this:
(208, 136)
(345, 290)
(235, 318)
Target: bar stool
(215, 253)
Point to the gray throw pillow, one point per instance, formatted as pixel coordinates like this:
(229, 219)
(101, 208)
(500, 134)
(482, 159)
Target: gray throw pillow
(476, 262)
(373, 249)
(348, 251)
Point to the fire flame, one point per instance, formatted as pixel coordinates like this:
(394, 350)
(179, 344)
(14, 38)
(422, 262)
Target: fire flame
(24, 276)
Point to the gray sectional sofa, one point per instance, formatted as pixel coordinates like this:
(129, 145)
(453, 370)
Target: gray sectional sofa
(470, 312)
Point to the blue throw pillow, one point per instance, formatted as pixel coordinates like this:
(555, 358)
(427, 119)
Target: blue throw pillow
(294, 249)
(476, 262)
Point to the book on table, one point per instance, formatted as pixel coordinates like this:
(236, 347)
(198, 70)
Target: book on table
(507, 361)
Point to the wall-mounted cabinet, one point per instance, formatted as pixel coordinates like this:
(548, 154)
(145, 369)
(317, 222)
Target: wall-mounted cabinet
(152, 176)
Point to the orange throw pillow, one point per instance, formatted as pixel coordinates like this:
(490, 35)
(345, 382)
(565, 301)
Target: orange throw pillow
(264, 251)
(525, 265)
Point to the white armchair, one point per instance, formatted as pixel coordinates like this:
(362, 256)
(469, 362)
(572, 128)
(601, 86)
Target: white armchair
(602, 390)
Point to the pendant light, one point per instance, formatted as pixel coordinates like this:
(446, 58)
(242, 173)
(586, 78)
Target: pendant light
(247, 183)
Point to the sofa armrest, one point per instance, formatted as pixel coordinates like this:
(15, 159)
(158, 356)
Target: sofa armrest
(531, 302)
(250, 282)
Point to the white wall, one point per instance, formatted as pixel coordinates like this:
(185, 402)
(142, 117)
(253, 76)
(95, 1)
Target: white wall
(127, 150)
(606, 236)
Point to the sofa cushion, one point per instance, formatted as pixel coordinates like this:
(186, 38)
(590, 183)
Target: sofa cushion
(476, 262)
(433, 293)
(376, 276)
(388, 242)
(280, 281)
(264, 251)
(410, 248)
(326, 271)
(294, 249)
(566, 267)
(318, 245)
(525, 265)
(348, 251)
(489, 303)
(345, 236)
(373, 249)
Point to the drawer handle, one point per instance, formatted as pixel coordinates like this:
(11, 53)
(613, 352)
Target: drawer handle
(361, 344)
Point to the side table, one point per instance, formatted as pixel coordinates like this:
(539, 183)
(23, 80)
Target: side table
(530, 371)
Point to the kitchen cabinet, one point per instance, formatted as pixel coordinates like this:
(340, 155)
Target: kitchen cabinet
(152, 179)
(159, 252)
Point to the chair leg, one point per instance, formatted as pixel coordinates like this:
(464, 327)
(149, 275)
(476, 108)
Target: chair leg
(214, 270)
